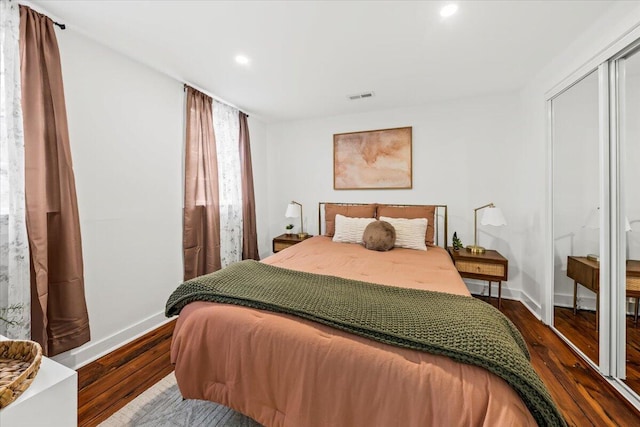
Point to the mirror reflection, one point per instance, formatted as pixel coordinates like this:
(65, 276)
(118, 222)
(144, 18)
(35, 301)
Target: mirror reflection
(576, 214)
(629, 112)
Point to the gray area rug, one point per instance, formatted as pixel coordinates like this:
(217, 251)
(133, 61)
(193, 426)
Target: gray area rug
(162, 406)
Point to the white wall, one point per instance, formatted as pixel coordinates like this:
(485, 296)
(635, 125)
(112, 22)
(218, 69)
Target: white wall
(126, 126)
(463, 156)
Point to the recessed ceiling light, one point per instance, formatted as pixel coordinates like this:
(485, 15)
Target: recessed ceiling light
(242, 60)
(448, 10)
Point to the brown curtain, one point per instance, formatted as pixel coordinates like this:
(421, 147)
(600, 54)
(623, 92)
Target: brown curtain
(201, 232)
(249, 234)
(59, 311)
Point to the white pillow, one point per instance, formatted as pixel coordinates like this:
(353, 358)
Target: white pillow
(350, 230)
(409, 232)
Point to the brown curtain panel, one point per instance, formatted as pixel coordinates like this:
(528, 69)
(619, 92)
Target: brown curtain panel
(249, 234)
(201, 232)
(60, 320)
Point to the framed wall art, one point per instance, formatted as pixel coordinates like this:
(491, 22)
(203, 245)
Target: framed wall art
(376, 159)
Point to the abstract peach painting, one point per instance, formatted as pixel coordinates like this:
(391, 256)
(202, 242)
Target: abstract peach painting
(376, 159)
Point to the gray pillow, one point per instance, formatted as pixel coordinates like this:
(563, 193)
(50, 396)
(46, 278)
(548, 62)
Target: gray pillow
(379, 236)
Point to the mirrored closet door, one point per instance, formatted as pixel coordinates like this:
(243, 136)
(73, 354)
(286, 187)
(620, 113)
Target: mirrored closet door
(594, 132)
(626, 73)
(577, 174)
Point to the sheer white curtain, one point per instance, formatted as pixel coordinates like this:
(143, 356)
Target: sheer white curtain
(15, 295)
(226, 126)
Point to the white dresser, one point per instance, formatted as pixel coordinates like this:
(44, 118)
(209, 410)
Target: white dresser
(50, 401)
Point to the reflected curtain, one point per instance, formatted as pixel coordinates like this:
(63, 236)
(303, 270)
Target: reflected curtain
(249, 233)
(201, 225)
(225, 127)
(14, 246)
(58, 308)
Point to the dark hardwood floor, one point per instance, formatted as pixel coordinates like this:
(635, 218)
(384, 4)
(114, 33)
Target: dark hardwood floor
(580, 329)
(109, 383)
(584, 398)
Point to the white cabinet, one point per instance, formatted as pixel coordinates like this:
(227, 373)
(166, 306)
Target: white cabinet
(50, 401)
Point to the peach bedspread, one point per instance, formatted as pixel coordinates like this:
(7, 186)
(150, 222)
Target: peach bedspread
(284, 371)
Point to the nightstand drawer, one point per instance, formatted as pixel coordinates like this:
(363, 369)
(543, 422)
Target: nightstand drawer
(287, 240)
(633, 284)
(278, 246)
(480, 268)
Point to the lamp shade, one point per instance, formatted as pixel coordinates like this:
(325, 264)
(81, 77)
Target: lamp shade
(293, 211)
(493, 216)
(593, 220)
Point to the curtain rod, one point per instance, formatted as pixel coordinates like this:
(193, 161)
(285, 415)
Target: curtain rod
(184, 88)
(46, 15)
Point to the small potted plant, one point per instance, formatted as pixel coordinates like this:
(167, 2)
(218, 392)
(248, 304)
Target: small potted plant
(457, 243)
(289, 229)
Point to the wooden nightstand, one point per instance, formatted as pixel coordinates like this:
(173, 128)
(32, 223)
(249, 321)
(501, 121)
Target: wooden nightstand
(283, 241)
(489, 266)
(585, 272)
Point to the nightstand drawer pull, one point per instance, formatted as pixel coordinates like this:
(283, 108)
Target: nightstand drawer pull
(480, 268)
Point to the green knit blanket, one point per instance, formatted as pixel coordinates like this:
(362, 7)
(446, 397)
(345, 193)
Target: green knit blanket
(463, 328)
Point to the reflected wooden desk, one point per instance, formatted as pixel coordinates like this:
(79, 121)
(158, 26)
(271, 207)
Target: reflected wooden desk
(587, 273)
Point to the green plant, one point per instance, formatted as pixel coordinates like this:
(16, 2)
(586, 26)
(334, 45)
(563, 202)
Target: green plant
(457, 243)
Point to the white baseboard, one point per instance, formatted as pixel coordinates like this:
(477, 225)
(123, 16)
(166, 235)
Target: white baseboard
(482, 288)
(477, 287)
(93, 350)
(584, 302)
(531, 305)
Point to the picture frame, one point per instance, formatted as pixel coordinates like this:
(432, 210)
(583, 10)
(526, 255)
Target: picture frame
(373, 160)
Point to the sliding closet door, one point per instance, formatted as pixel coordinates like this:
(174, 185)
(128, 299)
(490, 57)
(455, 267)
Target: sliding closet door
(626, 83)
(594, 136)
(577, 217)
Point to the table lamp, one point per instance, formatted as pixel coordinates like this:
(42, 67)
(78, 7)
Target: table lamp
(492, 216)
(593, 222)
(294, 212)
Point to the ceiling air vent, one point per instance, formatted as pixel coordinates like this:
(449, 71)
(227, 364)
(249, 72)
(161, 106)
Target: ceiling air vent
(360, 96)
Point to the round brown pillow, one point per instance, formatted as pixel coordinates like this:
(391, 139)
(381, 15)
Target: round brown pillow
(379, 236)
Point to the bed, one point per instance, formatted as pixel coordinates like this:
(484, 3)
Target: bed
(283, 370)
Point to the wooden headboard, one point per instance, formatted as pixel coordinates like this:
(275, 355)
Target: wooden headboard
(440, 222)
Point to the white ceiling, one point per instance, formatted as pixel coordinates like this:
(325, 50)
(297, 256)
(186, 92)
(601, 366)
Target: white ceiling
(306, 57)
